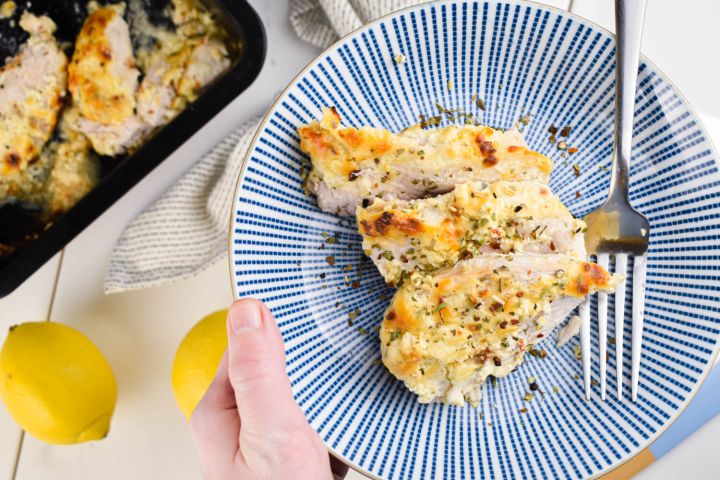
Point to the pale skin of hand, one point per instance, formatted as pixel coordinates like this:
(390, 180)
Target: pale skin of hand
(248, 426)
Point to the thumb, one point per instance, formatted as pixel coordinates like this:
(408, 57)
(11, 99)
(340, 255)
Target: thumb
(256, 369)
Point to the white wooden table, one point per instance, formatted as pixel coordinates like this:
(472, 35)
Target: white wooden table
(140, 331)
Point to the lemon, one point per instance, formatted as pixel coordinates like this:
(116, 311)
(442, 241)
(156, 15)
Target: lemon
(56, 384)
(197, 359)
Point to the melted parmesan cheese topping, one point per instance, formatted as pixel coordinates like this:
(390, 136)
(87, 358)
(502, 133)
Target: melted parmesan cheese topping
(444, 335)
(425, 235)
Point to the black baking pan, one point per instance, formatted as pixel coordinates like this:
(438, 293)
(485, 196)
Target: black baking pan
(119, 174)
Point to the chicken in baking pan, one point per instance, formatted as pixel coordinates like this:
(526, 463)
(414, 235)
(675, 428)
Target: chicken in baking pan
(103, 80)
(403, 236)
(353, 166)
(32, 88)
(132, 69)
(117, 111)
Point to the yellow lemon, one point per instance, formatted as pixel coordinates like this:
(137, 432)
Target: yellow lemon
(56, 384)
(197, 359)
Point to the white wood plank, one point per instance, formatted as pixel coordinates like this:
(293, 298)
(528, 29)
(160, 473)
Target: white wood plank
(679, 38)
(28, 303)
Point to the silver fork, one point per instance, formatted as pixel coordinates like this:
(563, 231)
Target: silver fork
(616, 228)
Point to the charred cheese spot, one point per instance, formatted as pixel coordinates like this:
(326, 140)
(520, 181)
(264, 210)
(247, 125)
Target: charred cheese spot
(388, 223)
(589, 277)
(12, 159)
(490, 161)
(487, 151)
(335, 117)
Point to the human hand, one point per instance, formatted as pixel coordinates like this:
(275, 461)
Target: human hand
(248, 426)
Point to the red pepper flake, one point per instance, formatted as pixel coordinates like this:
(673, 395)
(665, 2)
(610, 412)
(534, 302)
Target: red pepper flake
(540, 335)
(572, 150)
(519, 294)
(578, 194)
(503, 324)
(330, 260)
(565, 131)
(552, 130)
(356, 284)
(514, 321)
(495, 307)
(497, 361)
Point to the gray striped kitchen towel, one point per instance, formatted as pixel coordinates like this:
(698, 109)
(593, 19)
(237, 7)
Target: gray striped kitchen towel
(185, 230)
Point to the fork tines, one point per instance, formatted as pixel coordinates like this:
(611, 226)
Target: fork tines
(638, 304)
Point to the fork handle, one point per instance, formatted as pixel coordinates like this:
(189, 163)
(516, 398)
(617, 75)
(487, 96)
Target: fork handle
(629, 17)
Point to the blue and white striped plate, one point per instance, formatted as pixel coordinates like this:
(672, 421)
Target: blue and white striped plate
(521, 59)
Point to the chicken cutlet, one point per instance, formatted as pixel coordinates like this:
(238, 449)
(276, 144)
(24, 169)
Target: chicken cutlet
(403, 237)
(103, 80)
(445, 334)
(175, 79)
(32, 87)
(353, 166)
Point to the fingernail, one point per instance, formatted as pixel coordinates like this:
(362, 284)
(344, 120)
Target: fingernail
(244, 316)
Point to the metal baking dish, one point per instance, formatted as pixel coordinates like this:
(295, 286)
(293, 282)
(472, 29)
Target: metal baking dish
(120, 174)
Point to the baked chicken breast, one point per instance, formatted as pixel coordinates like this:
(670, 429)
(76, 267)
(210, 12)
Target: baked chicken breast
(103, 80)
(403, 237)
(444, 335)
(351, 166)
(175, 79)
(32, 87)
